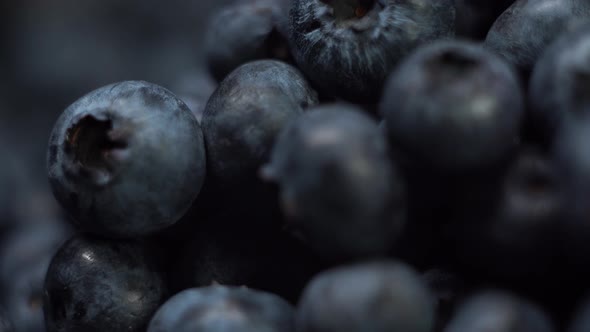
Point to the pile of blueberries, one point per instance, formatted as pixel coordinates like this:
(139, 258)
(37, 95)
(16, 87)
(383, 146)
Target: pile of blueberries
(348, 166)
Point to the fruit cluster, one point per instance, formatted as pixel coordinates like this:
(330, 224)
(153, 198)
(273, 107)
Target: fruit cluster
(351, 166)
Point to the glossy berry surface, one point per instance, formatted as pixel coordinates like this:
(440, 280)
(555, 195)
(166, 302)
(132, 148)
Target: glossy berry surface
(102, 285)
(126, 160)
(347, 47)
(242, 119)
(494, 311)
(338, 185)
(453, 106)
(245, 31)
(377, 297)
(223, 309)
(523, 32)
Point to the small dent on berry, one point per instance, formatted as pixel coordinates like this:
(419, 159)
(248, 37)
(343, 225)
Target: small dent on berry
(95, 147)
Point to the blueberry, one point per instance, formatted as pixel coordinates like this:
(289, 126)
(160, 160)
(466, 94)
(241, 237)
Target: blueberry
(347, 47)
(495, 311)
(221, 309)
(126, 160)
(244, 31)
(523, 32)
(102, 285)
(507, 229)
(558, 84)
(376, 297)
(571, 153)
(453, 106)
(339, 187)
(25, 255)
(242, 119)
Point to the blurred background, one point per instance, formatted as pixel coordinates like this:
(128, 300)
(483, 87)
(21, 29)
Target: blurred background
(53, 52)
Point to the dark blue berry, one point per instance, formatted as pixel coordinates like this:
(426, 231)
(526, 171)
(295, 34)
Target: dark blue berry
(558, 86)
(102, 285)
(244, 31)
(340, 190)
(495, 311)
(376, 297)
(571, 153)
(241, 122)
(348, 47)
(223, 309)
(506, 229)
(453, 106)
(126, 160)
(523, 32)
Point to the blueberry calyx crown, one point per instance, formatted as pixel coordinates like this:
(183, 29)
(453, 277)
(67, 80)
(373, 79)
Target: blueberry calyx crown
(95, 148)
(350, 9)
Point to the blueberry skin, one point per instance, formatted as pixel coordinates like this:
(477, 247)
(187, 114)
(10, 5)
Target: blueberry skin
(25, 255)
(453, 106)
(245, 114)
(558, 83)
(245, 31)
(339, 188)
(351, 57)
(523, 32)
(507, 229)
(377, 297)
(126, 160)
(495, 311)
(223, 309)
(571, 154)
(102, 285)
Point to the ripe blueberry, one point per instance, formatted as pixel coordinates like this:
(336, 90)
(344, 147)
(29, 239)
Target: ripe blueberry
(558, 86)
(220, 309)
(523, 32)
(453, 106)
(494, 311)
(242, 119)
(339, 187)
(347, 47)
(102, 285)
(506, 229)
(376, 297)
(126, 160)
